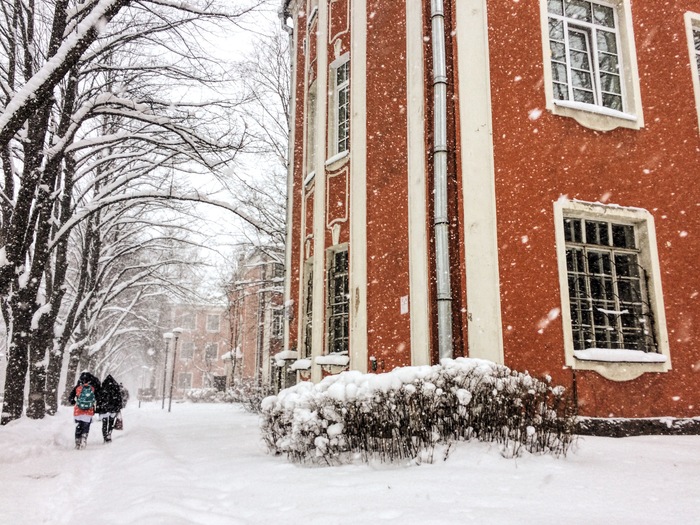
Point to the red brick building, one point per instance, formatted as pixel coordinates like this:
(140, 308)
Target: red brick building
(205, 338)
(257, 321)
(514, 181)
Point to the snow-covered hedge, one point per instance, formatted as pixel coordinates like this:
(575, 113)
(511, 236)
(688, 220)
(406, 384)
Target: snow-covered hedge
(208, 395)
(404, 413)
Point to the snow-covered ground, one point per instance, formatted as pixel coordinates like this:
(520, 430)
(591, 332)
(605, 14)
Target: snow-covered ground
(206, 465)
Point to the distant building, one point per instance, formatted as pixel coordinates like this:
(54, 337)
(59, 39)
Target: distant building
(257, 323)
(513, 181)
(205, 338)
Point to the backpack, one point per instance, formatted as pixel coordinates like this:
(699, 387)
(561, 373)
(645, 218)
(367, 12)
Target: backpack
(86, 397)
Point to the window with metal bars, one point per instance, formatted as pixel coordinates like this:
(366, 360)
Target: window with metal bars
(277, 328)
(608, 297)
(308, 309)
(338, 302)
(585, 53)
(696, 47)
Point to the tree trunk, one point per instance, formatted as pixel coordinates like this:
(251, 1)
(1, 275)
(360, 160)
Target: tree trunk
(71, 376)
(16, 373)
(53, 377)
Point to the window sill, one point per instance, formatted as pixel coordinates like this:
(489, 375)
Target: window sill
(301, 364)
(337, 160)
(598, 118)
(619, 356)
(309, 178)
(619, 370)
(333, 360)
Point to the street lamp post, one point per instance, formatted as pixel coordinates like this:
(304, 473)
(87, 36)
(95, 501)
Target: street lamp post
(176, 333)
(167, 337)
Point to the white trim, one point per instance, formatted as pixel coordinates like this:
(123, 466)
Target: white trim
(417, 197)
(649, 258)
(358, 186)
(319, 221)
(330, 17)
(303, 193)
(478, 175)
(632, 98)
(289, 235)
(692, 21)
(417, 184)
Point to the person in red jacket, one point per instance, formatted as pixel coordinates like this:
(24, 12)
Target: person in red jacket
(83, 397)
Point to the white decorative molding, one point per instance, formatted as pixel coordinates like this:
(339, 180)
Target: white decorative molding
(344, 30)
(417, 184)
(478, 175)
(358, 186)
(344, 218)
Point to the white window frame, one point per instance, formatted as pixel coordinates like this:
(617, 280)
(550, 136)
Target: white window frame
(692, 23)
(218, 323)
(334, 152)
(596, 116)
(625, 369)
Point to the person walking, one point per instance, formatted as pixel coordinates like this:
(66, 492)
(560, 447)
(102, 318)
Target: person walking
(83, 397)
(109, 403)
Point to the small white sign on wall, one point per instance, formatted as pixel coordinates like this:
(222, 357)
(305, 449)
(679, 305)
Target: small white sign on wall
(404, 304)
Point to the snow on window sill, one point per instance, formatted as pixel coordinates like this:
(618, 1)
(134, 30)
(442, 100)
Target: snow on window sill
(333, 360)
(618, 356)
(285, 355)
(593, 108)
(301, 364)
(309, 178)
(338, 157)
(312, 16)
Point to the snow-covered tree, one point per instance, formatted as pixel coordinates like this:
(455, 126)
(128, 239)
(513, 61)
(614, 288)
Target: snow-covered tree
(103, 103)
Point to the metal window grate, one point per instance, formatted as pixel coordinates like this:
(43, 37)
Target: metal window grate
(308, 311)
(608, 297)
(342, 93)
(696, 46)
(338, 303)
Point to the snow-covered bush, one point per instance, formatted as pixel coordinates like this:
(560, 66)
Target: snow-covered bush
(404, 413)
(249, 394)
(208, 395)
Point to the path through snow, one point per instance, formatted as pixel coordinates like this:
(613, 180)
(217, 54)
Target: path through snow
(205, 465)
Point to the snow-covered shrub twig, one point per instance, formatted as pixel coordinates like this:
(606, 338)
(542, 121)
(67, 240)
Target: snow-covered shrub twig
(249, 394)
(406, 412)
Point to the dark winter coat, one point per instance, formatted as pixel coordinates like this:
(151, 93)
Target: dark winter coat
(85, 378)
(109, 399)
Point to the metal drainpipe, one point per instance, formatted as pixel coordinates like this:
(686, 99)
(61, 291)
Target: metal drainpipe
(441, 220)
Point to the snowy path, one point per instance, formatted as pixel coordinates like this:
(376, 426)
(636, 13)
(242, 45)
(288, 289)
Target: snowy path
(205, 465)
